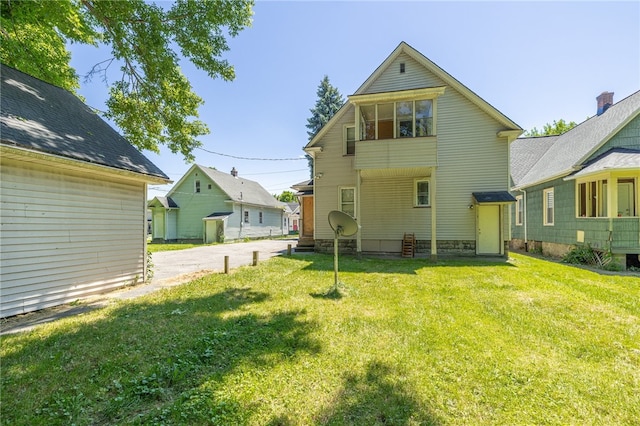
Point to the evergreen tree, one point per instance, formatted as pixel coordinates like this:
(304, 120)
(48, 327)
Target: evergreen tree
(329, 102)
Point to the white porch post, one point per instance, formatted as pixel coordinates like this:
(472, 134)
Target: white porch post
(434, 222)
(358, 215)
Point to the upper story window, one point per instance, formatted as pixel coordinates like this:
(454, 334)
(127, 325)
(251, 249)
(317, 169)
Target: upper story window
(197, 186)
(548, 206)
(403, 119)
(396, 114)
(349, 140)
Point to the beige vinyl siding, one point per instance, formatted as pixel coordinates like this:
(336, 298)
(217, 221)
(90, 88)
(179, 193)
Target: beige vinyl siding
(388, 203)
(396, 153)
(471, 158)
(414, 77)
(67, 235)
(336, 169)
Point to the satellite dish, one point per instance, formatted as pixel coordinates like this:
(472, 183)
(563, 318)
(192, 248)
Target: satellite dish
(342, 225)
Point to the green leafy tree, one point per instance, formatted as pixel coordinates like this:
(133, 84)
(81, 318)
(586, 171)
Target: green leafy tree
(287, 197)
(328, 103)
(151, 101)
(557, 128)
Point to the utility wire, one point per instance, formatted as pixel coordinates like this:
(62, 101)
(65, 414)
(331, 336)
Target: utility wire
(251, 158)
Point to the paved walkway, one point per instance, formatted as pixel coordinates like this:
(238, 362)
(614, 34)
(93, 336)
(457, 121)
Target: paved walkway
(170, 268)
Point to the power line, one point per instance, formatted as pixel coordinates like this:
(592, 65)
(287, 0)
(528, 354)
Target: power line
(251, 158)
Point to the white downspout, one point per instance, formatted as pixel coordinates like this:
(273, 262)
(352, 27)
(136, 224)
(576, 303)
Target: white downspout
(524, 219)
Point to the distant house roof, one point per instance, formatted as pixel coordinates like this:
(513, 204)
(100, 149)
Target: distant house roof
(304, 188)
(165, 202)
(238, 189)
(44, 118)
(614, 159)
(564, 154)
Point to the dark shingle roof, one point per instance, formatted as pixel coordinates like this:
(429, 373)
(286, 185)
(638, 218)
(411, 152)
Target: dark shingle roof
(572, 149)
(39, 116)
(493, 197)
(525, 153)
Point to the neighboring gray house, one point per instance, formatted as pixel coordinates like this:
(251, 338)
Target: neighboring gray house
(73, 192)
(581, 187)
(212, 206)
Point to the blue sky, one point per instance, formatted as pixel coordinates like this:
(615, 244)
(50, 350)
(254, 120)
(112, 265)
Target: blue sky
(534, 61)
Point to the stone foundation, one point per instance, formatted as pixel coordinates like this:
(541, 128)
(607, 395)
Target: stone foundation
(445, 247)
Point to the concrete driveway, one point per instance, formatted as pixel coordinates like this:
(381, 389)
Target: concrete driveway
(178, 266)
(170, 268)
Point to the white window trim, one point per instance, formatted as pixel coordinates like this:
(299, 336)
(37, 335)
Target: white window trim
(197, 186)
(340, 189)
(246, 217)
(519, 200)
(415, 192)
(545, 198)
(344, 138)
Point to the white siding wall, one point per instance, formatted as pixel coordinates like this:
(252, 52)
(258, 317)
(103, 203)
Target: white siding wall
(65, 235)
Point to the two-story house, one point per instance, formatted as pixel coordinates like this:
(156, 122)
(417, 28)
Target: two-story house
(212, 206)
(414, 151)
(582, 187)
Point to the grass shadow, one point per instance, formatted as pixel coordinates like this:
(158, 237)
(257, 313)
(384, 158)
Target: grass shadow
(377, 397)
(133, 372)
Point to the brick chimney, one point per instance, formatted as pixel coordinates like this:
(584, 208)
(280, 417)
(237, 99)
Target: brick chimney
(234, 172)
(605, 100)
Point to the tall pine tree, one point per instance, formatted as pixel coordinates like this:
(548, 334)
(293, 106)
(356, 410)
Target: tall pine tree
(329, 102)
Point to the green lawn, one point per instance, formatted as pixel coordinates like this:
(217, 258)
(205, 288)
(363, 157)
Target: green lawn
(406, 342)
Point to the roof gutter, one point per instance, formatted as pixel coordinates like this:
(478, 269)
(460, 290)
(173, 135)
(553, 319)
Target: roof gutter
(550, 178)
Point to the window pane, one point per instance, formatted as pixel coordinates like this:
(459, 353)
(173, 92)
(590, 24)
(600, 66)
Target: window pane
(582, 200)
(404, 118)
(347, 201)
(424, 118)
(549, 207)
(351, 141)
(422, 193)
(369, 122)
(385, 121)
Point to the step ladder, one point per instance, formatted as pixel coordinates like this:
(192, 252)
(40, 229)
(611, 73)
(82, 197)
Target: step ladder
(408, 245)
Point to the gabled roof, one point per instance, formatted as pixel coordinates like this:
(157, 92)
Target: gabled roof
(238, 189)
(614, 159)
(165, 202)
(40, 117)
(449, 80)
(568, 152)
